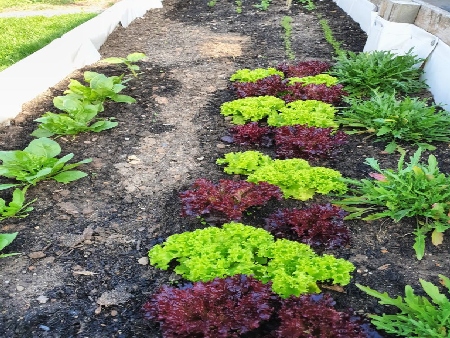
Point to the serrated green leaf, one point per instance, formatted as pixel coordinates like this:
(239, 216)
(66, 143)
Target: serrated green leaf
(135, 57)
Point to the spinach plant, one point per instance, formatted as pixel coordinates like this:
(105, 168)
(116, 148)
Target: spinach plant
(5, 240)
(80, 117)
(418, 317)
(38, 162)
(17, 207)
(128, 61)
(389, 119)
(415, 190)
(100, 88)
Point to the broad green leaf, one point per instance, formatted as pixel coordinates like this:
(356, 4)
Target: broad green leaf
(7, 186)
(134, 57)
(123, 98)
(6, 239)
(103, 125)
(69, 176)
(391, 147)
(40, 132)
(419, 244)
(44, 147)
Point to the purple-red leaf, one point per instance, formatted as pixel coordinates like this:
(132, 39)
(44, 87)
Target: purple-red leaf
(305, 68)
(252, 134)
(221, 308)
(226, 201)
(307, 142)
(318, 226)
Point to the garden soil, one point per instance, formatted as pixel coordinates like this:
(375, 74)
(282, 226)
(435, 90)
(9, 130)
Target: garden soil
(82, 269)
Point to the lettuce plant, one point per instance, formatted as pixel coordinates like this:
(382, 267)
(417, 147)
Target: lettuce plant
(252, 75)
(417, 316)
(315, 316)
(300, 141)
(240, 305)
(128, 61)
(100, 89)
(293, 268)
(220, 308)
(391, 120)
(326, 79)
(38, 162)
(17, 207)
(244, 163)
(226, 201)
(295, 177)
(318, 225)
(415, 190)
(252, 134)
(310, 112)
(5, 240)
(320, 92)
(80, 117)
(273, 85)
(251, 108)
(304, 68)
(361, 73)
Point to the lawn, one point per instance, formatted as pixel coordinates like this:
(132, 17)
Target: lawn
(20, 37)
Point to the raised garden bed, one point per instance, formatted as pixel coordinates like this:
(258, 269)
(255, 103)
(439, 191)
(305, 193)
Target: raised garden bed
(84, 269)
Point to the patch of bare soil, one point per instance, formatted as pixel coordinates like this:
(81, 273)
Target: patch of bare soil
(83, 272)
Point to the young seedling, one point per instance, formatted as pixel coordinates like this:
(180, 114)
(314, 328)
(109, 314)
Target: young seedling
(38, 162)
(128, 61)
(17, 207)
(100, 89)
(286, 23)
(80, 117)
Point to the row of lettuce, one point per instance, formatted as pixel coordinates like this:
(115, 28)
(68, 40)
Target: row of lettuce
(78, 112)
(294, 109)
(262, 276)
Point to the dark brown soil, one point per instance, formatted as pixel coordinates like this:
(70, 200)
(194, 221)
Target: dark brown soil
(94, 232)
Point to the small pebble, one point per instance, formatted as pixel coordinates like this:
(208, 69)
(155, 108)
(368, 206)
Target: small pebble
(20, 288)
(44, 327)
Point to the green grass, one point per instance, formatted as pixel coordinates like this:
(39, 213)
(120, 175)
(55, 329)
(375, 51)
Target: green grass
(30, 4)
(20, 37)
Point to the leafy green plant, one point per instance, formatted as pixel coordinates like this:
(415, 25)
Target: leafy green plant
(38, 162)
(17, 207)
(128, 61)
(293, 268)
(253, 75)
(415, 190)
(251, 108)
(5, 240)
(263, 5)
(313, 113)
(80, 117)
(238, 6)
(286, 23)
(328, 33)
(244, 163)
(326, 79)
(309, 4)
(361, 73)
(295, 177)
(100, 88)
(212, 3)
(418, 317)
(390, 120)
